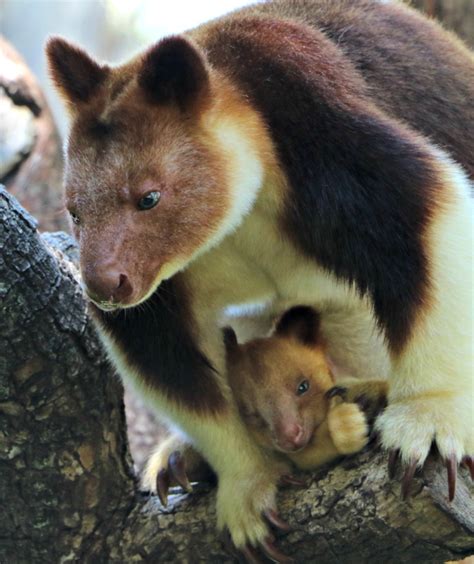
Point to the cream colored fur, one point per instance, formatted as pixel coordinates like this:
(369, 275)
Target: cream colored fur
(348, 428)
(431, 395)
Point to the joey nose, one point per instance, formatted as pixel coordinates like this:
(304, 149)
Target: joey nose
(299, 439)
(108, 285)
(292, 437)
(295, 435)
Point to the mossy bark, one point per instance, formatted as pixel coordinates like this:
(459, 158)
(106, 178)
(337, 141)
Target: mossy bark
(66, 484)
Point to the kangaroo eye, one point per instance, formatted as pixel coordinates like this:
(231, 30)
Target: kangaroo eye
(75, 218)
(149, 201)
(302, 388)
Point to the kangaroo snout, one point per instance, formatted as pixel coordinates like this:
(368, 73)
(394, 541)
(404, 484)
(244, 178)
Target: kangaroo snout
(108, 284)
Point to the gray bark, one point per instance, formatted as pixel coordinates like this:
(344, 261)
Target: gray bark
(67, 488)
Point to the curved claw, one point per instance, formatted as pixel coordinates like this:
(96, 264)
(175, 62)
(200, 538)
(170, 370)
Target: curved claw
(407, 479)
(177, 470)
(290, 480)
(245, 555)
(162, 486)
(250, 555)
(273, 553)
(363, 402)
(276, 521)
(336, 391)
(451, 466)
(392, 463)
(468, 461)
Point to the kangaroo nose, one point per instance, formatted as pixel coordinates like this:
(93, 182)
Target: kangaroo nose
(123, 290)
(108, 285)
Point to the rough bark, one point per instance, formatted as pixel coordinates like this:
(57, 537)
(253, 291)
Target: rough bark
(66, 484)
(30, 150)
(144, 429)
(31, 167)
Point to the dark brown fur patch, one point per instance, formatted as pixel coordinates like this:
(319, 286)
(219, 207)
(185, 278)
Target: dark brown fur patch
(100, 130)
(157, 339)
(361, 185)
(417, 71)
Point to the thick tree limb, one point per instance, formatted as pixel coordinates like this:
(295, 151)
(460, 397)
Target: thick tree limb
(66, 486)
(31, 164)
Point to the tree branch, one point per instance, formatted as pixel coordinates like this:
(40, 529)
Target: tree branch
(31, 162)
(66, 484)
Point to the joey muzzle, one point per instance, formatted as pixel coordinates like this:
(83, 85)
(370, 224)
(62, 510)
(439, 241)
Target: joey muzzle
(290, 436)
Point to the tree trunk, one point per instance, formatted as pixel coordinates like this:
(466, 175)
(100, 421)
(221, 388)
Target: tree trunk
(30, 150)
(66, 483)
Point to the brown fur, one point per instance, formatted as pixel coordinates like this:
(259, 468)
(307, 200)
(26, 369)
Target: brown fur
(401, 82)
(182, 169)
(182, 373)
(87, 79)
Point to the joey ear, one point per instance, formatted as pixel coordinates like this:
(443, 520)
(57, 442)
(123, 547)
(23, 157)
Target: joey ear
(300, 323)
(230, 338)
(174, 71)
(76, 75)
(333, 368)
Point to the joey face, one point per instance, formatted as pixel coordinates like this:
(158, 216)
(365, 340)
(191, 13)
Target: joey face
(149, 172)
(280, 382)
(283, 398)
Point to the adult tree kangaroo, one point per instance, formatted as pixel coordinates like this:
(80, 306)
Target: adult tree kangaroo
(294, 152)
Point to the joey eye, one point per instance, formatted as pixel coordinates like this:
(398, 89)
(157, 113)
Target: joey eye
(302, 388)
(149, 201)
(75, 218)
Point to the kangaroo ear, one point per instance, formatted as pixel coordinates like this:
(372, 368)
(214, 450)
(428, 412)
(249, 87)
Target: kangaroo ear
(76, 76)
(174, 71)
(300, 323)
